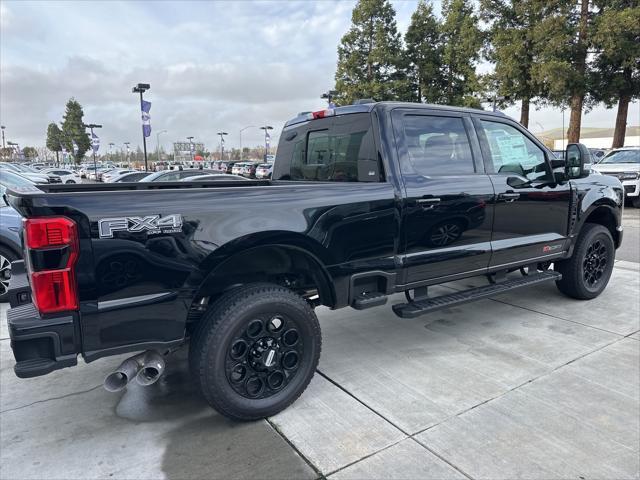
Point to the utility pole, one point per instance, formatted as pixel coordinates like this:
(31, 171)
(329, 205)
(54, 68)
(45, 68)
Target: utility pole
(242, 130)
(190, 147)
(126, 156)
(141, 88)
(328, 96)
(267, 137)
(222, 134)
(91, 126)
(158, 144)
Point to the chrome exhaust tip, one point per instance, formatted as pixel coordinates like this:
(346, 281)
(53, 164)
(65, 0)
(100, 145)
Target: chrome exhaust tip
(152, 370)
(126, 372)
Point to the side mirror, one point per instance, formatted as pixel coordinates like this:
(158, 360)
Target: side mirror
(578, 158)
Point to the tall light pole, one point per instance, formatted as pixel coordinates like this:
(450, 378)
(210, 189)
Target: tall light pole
(328, 96)
(14, 146)
(126, 156)
(141, 88)
(158, 143)
(91, 126)
(3, 146)
(190, 147)
(266, 129)
(111, 145)
(242, 130)
(222, 134)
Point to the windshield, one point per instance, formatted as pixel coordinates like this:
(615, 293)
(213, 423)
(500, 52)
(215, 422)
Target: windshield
(622, 156)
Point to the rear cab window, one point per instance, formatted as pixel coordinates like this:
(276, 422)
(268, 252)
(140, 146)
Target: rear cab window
(333, 149)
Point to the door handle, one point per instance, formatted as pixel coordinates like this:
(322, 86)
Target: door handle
(428, 203)
(509, 196)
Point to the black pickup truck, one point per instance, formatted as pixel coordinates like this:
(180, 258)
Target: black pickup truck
(365, 201)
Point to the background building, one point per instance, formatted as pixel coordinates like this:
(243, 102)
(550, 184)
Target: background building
(591, 137)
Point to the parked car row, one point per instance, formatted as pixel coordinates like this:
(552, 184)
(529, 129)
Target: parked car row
(30, 173)
(624, 164)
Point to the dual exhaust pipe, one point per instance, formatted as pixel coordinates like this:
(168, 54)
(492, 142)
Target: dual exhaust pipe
(146, 367)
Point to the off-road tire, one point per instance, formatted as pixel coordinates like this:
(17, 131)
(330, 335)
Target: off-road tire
(211, 342)
(573, 283)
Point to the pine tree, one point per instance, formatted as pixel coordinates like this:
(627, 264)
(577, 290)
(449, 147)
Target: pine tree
(462, 41)
(517, 33)
(616, 72)
(370, 57)
(73, 130)
(54, 139)
(577, 82)
(424, 52)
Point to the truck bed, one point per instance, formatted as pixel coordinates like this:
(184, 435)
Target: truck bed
(109, 187)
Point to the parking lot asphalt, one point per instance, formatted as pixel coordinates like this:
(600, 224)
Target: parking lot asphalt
(529, 384)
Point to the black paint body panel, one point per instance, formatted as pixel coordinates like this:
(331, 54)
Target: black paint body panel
(136, 289)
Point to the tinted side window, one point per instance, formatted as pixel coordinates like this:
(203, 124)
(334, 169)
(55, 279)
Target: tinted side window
(512, 152)
(339, 149)
(170, 177)
(438, 145)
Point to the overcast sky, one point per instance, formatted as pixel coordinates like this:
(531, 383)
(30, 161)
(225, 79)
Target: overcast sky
(212, 66)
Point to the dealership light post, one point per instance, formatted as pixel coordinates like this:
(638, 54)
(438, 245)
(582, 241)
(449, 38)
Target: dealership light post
(266, 129)
(158, 143)
(141, 88)
(91, 126)
(222, 134)
(126, 156)
(242, 130)
(328, 96)
(14, 146)
(111, 145)
(190, 147)
(3, 145)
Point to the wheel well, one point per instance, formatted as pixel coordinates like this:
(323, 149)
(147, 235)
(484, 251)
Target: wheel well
(605, 217)
(288, 266)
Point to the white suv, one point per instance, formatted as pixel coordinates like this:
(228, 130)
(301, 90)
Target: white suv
(623, 163)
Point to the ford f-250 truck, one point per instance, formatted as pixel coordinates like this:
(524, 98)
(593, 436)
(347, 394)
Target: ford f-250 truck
(365, 201)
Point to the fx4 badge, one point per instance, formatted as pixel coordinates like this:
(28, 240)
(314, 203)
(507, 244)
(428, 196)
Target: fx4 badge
(152, 224)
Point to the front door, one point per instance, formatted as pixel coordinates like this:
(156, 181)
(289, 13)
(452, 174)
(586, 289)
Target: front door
(447, 212)
(531, 209)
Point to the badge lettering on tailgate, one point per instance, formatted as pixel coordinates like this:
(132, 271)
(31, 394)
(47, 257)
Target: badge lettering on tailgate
(152, 224)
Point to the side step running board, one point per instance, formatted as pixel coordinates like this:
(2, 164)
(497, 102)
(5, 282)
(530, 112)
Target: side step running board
(421, 307)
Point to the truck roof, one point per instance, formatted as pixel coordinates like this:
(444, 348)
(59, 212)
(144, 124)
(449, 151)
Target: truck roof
(368, 107)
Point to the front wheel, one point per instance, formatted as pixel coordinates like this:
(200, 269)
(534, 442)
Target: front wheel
(255, 351)
(635, 201)
(586, 274)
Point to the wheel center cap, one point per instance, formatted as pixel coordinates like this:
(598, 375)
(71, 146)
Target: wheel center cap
(270, 358)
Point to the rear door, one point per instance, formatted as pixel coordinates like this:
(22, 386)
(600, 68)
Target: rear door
(531, 210)
(447, 213)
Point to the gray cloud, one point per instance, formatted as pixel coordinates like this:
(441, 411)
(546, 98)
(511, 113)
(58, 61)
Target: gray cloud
(212, 66)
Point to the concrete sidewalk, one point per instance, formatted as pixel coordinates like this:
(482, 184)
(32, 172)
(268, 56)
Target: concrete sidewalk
(527, 385)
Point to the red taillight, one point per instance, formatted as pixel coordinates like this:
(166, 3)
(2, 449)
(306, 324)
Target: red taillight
(53, 290)
(45, 232)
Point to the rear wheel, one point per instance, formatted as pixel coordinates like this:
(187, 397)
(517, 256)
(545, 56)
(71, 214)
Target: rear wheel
(70, 181)
(255, 351)
(6, 257)
(586, 274)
